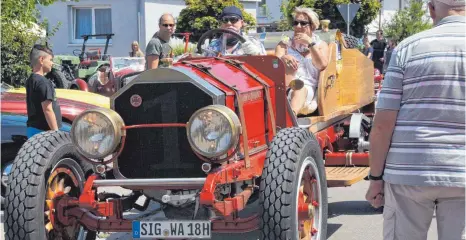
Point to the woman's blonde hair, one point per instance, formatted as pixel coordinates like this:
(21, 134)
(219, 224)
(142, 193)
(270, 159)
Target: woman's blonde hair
(138, 52)
(311, 15)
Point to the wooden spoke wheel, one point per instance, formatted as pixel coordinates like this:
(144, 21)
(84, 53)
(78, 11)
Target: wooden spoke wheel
(62, 181)
(308, 200)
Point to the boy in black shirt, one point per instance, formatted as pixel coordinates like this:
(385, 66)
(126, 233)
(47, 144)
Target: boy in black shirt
(43, 110)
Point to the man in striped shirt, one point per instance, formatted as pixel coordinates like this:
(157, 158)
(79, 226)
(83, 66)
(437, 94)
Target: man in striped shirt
(417, 158)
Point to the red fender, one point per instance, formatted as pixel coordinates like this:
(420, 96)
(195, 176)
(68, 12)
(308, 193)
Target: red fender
(80, 84)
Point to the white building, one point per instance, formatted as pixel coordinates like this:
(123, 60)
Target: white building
(129, 20)
(389, 7)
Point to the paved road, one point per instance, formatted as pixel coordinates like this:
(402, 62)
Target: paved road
(350, 218)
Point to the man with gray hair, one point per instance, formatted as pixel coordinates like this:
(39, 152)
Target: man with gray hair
(417, 157)
(42, 107)
(158, 47)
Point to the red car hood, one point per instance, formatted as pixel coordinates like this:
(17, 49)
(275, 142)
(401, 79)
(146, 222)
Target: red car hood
(123, 72)
(16, 103)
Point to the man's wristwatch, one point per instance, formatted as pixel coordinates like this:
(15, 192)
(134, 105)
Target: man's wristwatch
(312, 44)
(370, 177)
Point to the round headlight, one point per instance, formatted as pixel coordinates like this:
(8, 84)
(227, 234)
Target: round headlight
(213, 130)
(97, 132)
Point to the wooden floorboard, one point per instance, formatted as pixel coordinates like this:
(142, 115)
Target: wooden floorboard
(345, 176)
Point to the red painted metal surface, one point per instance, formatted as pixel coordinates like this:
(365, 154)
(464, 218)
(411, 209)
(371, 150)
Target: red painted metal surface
(85, 63)
(236, 225)
(328, 136)
(303, 207)
(155, 125)
(16, 103)
(82, 85)
(247, 86)
(230, 173)
(346, 158)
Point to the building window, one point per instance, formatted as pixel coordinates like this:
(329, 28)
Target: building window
(262, 9)
(91, 20)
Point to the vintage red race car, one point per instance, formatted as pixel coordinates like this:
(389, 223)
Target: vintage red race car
(213, 140)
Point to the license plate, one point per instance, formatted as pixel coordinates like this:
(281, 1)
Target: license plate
(172, 229)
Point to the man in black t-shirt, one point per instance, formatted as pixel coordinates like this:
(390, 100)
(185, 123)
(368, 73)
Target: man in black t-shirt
(379, 46)
(42, 106)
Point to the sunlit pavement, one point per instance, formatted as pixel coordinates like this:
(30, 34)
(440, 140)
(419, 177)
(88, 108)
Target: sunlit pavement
(350, 218)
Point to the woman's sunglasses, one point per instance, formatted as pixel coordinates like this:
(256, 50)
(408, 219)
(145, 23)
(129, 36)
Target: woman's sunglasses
(233, 20)
(166, 25)
(302, 23)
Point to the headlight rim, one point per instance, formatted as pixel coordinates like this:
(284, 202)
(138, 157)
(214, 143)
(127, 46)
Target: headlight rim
(117, 124)
(235, 125)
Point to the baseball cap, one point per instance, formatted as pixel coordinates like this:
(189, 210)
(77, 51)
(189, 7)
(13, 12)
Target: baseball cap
(231, 11)
(454, 3)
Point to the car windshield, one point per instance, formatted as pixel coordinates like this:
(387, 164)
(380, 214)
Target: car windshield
(135, 63)
(6, 87)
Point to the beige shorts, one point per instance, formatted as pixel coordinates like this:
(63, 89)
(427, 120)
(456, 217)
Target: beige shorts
(409, 210)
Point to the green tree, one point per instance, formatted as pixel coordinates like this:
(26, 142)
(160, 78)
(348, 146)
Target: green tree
(21, 28)
(199, 16)
(407, 22)
(327, 9)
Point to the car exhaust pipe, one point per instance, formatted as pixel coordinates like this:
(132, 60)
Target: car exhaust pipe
(162, 183)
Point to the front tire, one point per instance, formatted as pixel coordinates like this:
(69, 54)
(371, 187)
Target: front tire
(45, 165)
(293, 171)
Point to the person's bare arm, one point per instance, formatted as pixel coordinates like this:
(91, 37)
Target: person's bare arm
(369, 55)
(152, 61)
(380, 139)
(280, 50)
(49, 114)
(320, 55)
(290, 62)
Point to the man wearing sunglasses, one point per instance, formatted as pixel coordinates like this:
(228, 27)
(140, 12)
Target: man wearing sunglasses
(232, 19)
(160, 41)
(42, 107)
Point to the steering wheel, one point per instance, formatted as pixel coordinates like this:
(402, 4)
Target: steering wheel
(77, 52)
(211, 33)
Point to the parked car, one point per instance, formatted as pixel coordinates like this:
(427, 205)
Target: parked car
(110, 78)
(214, 141)
(14, 118)
(72, 102)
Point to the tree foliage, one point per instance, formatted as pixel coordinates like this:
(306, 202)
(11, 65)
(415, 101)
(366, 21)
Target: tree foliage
(199, 16)
(327, 9)
(20, 30)
(407, 22)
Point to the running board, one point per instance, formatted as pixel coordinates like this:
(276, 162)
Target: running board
(345, 176)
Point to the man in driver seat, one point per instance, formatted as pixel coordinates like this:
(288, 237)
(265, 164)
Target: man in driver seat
(232, 19)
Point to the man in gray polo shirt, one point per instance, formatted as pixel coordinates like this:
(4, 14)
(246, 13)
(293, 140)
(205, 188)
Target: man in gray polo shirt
(417, 158)
(158, 47)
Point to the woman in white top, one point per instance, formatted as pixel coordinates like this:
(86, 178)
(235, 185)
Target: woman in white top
(304, 56)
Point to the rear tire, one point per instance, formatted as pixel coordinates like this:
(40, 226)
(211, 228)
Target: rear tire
(351, 41)
(29, 181)
(59, 79)
(292, 151)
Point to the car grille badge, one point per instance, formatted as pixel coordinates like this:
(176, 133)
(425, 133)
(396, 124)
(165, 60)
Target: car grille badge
(136, 100)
